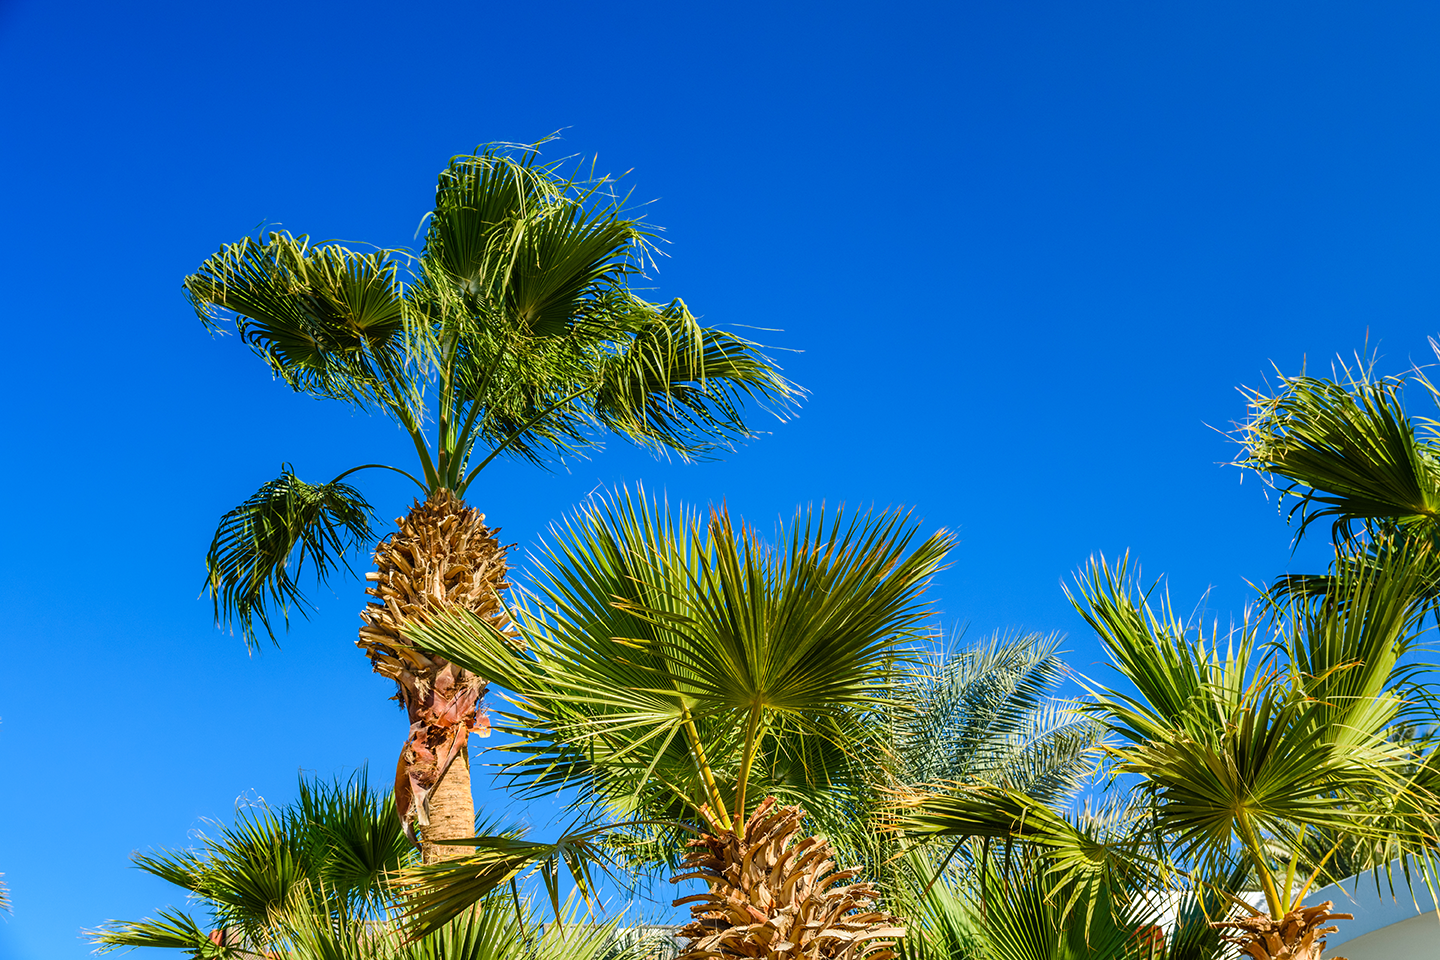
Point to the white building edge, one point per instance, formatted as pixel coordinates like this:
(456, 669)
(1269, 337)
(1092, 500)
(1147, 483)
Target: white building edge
(1398, 924)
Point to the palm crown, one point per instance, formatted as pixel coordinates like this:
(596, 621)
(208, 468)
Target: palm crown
(513, 333)
(677, 669)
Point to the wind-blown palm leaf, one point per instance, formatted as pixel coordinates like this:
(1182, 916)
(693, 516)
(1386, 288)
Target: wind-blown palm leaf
(1347, 450)
(327, 320)
(287, 521)
(675, 385)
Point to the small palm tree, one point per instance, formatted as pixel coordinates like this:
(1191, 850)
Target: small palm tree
(681, 671)
(319, 879)
(514, 333)
(333, 851)
(1243, 749)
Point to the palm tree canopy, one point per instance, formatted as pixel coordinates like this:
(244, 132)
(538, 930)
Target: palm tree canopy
(1347, 450)
(513, 333)
(1244, 746)
(671, 662)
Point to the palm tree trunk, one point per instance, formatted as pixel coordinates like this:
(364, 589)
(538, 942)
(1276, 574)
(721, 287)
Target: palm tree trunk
(1299, 935)
(441, 556)
(772, 898)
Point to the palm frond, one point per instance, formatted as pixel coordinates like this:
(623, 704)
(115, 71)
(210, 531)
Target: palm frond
(1095, 862)
(173, 929)
(984, 713)
(287, 521)
(641, 623)
(327, 320)
(1346, 450)
(436, 893)
(674, 385)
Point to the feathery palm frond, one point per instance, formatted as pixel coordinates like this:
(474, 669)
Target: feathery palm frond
(286, 521)
(985, 714)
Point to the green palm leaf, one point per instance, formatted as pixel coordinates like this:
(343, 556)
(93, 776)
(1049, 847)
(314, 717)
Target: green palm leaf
(1348, 451)
(646, 630)
(286, 521)
(327, 320)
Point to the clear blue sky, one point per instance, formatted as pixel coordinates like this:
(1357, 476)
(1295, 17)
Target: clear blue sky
(1027, 251)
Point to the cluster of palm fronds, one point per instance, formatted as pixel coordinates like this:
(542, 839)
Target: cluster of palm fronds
(324, 878)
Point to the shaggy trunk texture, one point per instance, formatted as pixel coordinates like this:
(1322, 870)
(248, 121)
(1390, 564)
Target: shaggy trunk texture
(1299, 935)
(441, 556)
(772, 897)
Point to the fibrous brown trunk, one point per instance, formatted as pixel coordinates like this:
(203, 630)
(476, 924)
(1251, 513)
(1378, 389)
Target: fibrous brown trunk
(441, 556)
(774, 898)
(1299, 935)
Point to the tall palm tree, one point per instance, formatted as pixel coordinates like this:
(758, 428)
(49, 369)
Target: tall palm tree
(514, 333)
(680, 670)
(1243, 748)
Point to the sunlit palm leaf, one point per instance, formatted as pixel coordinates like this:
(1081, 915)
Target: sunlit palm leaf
(641, 619)
(436, 893)
(676, 385)
(1086, 866)
(1347, 450)
(286, 521)
(1239, 747)
(173, 930)
(326, 319)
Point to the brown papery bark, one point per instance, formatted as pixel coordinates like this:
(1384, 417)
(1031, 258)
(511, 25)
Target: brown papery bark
(442, 556)
(1299, 935)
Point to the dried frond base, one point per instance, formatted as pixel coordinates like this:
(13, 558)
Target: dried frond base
(441, 556)
(774, 898)
(1299, 935)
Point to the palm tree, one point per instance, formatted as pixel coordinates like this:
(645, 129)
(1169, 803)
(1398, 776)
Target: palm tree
(333, 850)
(1242, 749)
(682, 672)
(319, 879)
(514, 333)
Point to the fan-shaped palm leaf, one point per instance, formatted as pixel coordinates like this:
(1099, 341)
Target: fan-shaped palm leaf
(286, 522)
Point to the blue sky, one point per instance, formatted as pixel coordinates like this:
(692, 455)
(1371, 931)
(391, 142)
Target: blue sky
(1026, 253)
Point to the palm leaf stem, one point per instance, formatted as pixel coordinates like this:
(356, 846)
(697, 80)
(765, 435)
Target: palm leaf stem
(403, 414)
(461, 439)
(706, 773)
(747, 758)
(1315, 875)
(380, 466)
